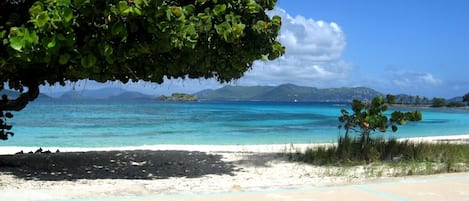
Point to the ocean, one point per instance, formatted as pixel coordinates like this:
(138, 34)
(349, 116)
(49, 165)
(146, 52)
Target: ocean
(43, 124)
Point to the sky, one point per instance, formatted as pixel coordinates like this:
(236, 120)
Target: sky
(416, 47)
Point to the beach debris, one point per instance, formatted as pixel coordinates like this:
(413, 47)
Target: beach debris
(47, 152)
(236, 187)
(20, 152)
(133, 163)
(31, 152)
(38, 151)
(98, 166)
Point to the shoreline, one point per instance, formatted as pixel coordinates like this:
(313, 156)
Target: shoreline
(258, 148)
(95, 173)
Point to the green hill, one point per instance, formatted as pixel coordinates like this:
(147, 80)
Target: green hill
(287, 93)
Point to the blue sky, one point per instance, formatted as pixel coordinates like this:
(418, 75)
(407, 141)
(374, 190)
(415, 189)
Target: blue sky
(400, 46)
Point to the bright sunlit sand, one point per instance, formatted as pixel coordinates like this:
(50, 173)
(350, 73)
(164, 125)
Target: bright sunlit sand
(170, 169)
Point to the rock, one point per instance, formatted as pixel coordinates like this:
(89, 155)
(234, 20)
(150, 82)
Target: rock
(38, 151)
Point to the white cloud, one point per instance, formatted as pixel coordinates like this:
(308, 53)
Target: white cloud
(428, 79)
(313, 54)
(414, 80)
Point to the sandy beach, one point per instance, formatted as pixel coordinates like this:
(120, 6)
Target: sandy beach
(170, 169)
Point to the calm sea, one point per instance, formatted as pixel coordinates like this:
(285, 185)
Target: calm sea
(151, 123)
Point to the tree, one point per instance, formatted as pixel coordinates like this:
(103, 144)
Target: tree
(438, 102)
(368, 118)
(401, 100)
(425, 100)
(417, 100)
(410, 100)
(391, 99)
(465, 98)
(50, 42)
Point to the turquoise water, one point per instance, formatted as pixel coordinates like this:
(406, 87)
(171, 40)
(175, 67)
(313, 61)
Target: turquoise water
(151, 123)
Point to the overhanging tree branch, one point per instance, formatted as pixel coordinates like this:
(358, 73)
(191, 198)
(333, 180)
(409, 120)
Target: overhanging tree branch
(21, 101)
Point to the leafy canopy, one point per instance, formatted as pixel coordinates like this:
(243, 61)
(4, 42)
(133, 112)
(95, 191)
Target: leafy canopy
(465, 98)
(54, 41)
(50, 42)
(370, 117)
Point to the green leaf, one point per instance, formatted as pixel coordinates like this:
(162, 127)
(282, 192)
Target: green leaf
(139, 3)
(80, 3)
(107, 50)
(176, 11)
(64, 58)
(117, 29)
(52, 43)
(67, 14)
(41, 19)
(200, 2)
(219, 9)
(17, 43)
(122, 6)
(253, 7)
(60, 37)
(109, 60)
(30, 37)
(223, 28)
(88, 61)
(189, 9)
(35, 9)
(136, 11)
(63, 2)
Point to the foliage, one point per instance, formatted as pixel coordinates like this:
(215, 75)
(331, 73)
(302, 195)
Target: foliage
(391, 99)
(348, 151)
(438, 102)
(4, 127)
(51, 42)
(368, 118)
(455, 104)
(465, 98)
(178, 97)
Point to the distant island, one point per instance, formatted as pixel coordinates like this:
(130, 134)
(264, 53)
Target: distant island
(288, 93)
(178, 97)
(280, 93)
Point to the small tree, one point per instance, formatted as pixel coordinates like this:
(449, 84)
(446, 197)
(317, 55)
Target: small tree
(368, 118)
(418, 100)
(425, 100)
(401, 100)
(410, 100)
(391, 99)
(465, 98)
(438, 102)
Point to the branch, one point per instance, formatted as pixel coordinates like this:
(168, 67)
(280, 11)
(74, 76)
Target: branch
(20, 102)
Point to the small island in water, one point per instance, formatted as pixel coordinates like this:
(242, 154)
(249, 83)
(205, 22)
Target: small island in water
(178, 97)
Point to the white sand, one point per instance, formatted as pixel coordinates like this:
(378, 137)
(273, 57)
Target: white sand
(239, 168)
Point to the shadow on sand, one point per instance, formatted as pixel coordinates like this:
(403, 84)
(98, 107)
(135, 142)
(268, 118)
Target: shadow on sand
(140, 164)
